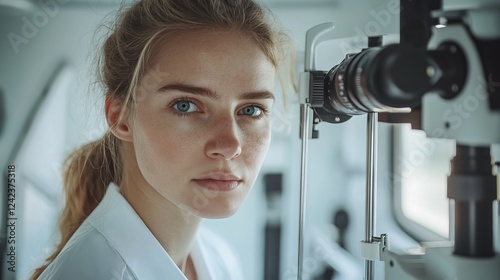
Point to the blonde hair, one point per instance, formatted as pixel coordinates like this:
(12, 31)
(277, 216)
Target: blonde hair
(126, 57)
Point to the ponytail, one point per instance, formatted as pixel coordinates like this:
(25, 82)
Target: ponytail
(89, 170)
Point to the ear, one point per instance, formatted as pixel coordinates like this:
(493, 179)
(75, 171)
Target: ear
(120, 128)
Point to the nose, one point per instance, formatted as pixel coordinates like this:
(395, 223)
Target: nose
(224, 142)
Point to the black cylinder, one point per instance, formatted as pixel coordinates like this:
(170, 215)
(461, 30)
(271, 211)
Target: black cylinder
(473, 187)
(415, 21)
(473, 229)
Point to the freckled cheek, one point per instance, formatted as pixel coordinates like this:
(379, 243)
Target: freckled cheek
(162, 142)
(257, 144)
(173, 145)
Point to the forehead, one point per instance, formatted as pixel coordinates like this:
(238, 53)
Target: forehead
(212, 56)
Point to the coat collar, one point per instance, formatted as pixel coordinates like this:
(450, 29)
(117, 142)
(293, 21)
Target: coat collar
(117, 221)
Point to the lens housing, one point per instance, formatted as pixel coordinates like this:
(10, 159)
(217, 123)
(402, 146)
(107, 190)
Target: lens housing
(381, 79)
(389, 79)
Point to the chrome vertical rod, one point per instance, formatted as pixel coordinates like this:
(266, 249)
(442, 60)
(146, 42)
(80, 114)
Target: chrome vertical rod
(304, 134)
(371, 186)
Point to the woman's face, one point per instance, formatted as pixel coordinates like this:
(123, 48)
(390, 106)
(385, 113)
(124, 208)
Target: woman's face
(201, 127)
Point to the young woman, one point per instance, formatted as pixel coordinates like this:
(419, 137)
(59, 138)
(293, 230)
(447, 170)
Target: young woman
(188, 97)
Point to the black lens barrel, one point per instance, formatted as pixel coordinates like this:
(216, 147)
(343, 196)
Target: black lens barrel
(386, 79)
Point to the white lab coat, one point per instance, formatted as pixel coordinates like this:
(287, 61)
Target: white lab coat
(114, 243)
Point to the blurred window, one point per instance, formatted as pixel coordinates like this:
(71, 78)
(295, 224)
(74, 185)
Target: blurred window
(421, 166)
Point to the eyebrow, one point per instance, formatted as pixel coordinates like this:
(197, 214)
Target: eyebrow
(261, 94)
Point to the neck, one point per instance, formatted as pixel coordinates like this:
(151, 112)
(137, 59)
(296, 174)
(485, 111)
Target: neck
(173, 227)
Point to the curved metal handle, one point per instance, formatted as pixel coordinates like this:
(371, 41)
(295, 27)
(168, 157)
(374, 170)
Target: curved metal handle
(313, 38)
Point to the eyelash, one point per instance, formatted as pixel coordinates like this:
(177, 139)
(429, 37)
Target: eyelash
(265, 112)
(171, 106)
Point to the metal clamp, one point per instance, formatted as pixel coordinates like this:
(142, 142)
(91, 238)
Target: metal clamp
(374, 250)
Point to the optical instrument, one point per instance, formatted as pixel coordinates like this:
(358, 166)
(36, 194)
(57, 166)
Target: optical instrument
(443, 77)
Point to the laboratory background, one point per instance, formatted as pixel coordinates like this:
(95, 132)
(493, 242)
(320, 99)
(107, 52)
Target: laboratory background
(50, 104)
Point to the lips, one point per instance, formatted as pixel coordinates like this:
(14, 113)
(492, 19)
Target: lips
(218, 181)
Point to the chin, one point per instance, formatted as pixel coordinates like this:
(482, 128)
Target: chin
(218, 215)
(218, 209)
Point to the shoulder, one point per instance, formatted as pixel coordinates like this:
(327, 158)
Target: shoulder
(223, 260)
(87, 255)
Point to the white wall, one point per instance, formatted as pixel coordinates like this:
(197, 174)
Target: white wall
(46, 40)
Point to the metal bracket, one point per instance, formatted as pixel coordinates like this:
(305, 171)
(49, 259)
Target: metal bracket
(374, 251)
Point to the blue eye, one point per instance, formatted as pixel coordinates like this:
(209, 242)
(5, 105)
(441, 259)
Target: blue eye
(252, 111)
(185, 106)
